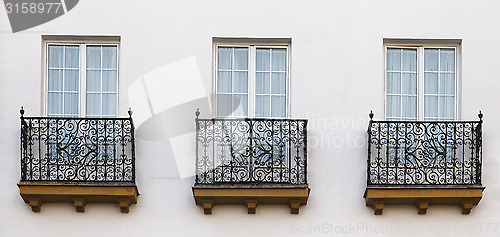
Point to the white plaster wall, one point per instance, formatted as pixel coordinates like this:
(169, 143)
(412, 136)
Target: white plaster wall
(337, 76)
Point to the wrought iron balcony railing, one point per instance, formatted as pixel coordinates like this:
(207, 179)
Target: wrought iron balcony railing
(251, 151)
(77, 149)
(424, 152)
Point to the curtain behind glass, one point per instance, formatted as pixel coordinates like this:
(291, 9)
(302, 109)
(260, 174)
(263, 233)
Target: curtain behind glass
(439, 84)
(401, 91)
(232, 82)
(102, 81)
(63, 80)
(270, 82)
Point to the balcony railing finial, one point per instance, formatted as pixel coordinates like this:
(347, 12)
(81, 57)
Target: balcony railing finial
(197, 113)
(130, 112)
(22, 111)
(371, 115)
(480, 115)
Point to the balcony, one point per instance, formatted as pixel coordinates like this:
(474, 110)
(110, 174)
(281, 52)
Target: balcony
(77, 160)
(251, 162)
(424, 163)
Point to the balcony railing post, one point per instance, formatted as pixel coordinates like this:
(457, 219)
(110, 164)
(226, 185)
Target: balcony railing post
(132, 140)
(369, 147)
(479, 149)
(24, 144)
(197, 113)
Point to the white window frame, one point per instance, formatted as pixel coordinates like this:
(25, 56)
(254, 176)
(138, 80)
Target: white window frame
(252, 52)
(82, 42)
(420, 45)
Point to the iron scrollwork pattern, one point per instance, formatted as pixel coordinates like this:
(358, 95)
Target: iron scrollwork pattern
(251, 151)
(424, 153)
(77, 149)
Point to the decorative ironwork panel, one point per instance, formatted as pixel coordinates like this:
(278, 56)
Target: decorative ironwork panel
(424, 153)
(77, 149)
(251, 151)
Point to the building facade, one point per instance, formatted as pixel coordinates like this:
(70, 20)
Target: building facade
(287, 87)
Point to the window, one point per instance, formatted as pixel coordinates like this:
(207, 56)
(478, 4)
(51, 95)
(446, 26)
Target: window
(251, 80)
(421, 82)
(81, 79)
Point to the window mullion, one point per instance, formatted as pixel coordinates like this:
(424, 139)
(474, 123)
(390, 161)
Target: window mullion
(83, 80)
(252, 54)
(420, 83)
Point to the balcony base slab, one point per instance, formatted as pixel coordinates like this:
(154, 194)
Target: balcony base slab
(79, 194)
(464, 196)
(208, 196)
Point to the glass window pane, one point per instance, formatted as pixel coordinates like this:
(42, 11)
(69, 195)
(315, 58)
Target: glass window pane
(447, 84)
(109, 104)
(430, 106)
(263, 61)
(393, 82)
(72, 57)
(431, 60)
(93, 104)
(278, 83)
(109, 57)
(278, 106)
(224, 107)
(262, 83)
(447, 60)
(278, 60)
(431, 83)
(71, 82)
(393, 59)
(409, 107)
(240, 59)
(71, 103)
(410, 60)
(55, 103)
(93, 56)
(109, 82)
(240, 105)
(55, 80)
(393, 106)
(56, 56)
(224, 83)
(240, 82)
(225, 58)
(409, 84)
(262, 106)
(447, 107)
(93, 80)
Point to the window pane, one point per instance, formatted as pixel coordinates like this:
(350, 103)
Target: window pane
(447, 84)
(93, 104)
(262, 106)
(71, 103)
(109, 104)
(278, 104)
(71, 57)
(241, 108)
(93, 81)
(393, 59)
(225, 58)
(393, 106)
(224, 82)
(55, 80)
(447, 60)
(263, 60)
(224, 106)
(278, 60)
(240, 82)
(431, 60)
(109, 82)
(278, 83)
(431, 83)
(409, 107)
(430, 106)
(393, 82)
(262, 83)
(109, 57)
(56, 56)
(55, 104)
(447, 107)
(240, 59)
(93, 56)
(71, 82)
(409, 84)
(410, 60)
